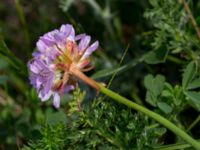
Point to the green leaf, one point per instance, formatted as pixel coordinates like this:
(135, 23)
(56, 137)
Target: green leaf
(164, 107)
(194, 84)
(155, 85)
(151, 98)
(167, 93)
(194, 96)
(156, 56)
(160, 131)
(189, 74)
(108, 72)
(104, 73)
(148, 80)
(154, 88)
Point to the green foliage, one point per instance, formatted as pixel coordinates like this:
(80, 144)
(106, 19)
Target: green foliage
(101, 126)
(53, 138)
(75, 104)
(162, 95)
(172, 35)
(138, 134)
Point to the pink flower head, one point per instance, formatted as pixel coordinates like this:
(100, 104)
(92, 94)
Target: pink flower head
(58, 54)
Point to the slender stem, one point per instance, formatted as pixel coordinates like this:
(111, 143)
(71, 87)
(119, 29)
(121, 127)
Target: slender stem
(174, 59)
(193, 123)
(76, 72)
(173, 147)
(151, 114)
(115, 73)
(176, 146)
(129, 103)
(193, 21)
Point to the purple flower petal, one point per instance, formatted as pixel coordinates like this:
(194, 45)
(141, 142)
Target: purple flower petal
(60, 38)
(46, 96)
(38, 82)
(34, 68)
(68, 31)
(36, 54)
(84, 43)
(90, 49)
(41, 45)
(56, 100)
(32, 79)
(50, 35)
(80, 36)
(48, 85)
(47, 42)
(69, 88)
